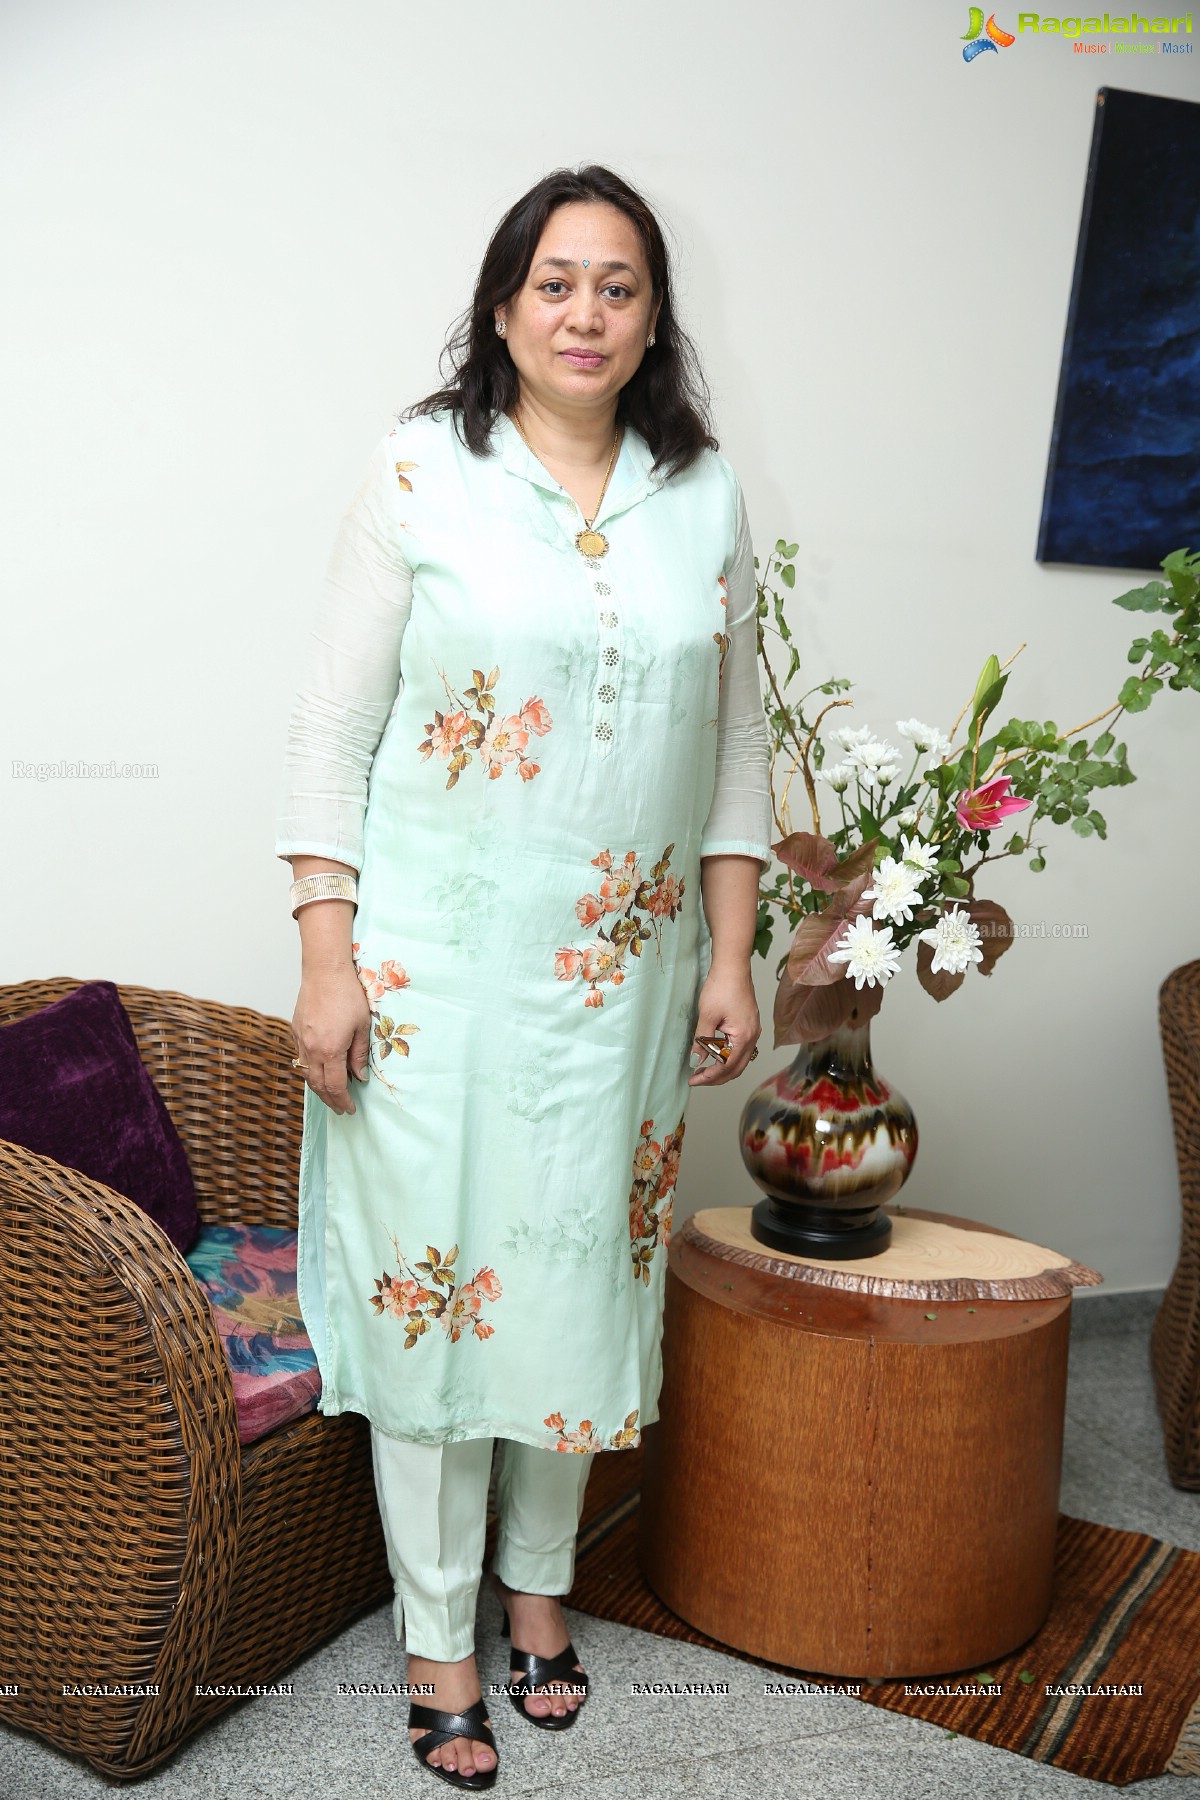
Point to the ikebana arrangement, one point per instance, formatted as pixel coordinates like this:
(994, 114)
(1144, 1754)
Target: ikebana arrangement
(909, 828)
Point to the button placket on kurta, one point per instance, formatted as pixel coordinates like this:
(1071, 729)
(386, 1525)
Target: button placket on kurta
(596, 571)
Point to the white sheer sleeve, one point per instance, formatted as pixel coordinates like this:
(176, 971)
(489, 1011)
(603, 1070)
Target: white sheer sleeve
(351, 677)
(739, 819)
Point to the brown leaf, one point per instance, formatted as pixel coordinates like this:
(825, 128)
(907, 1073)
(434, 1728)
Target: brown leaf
(810, 856)
(816, 935)
(996, 931)
(941, 985)
(859, 862)
(803, 1015)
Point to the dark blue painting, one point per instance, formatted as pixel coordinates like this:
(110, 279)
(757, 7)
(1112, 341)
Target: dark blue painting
(1123, 482)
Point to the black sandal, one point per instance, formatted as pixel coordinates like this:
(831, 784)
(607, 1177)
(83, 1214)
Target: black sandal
(442, 1727)
(539, 1670)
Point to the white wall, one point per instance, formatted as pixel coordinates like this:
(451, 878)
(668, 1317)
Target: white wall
(242, 231)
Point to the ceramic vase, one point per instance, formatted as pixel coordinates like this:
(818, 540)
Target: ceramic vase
(829, 1142)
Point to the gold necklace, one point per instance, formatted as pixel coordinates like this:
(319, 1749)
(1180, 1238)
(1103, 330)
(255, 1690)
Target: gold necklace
(587, 541)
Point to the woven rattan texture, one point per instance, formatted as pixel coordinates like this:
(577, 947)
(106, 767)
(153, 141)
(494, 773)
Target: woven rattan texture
(139, 1544)
(1175, 1336)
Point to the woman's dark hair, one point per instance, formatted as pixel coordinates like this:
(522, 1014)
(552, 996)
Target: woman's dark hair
(666, 398)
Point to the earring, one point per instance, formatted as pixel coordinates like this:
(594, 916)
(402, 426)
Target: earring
(649, 340)
(500, 327)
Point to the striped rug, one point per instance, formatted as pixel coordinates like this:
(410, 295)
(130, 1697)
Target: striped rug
(1126, 1613)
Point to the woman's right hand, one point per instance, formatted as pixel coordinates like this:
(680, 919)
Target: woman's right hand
(332, 1029)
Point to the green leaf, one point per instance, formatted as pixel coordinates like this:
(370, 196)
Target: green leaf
(1082, 825)
(1138, 691)
(1103, 744)
(1037, 864)
(987, 702)
(985, 755)
(788, 575)
(955, 886)
(1144, 599)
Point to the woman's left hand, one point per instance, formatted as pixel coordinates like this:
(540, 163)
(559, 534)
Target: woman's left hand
(728, 1006)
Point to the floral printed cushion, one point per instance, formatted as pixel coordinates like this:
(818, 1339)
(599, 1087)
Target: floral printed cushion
(249, 1275)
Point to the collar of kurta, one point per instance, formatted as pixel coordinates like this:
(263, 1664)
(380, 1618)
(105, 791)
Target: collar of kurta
(631, 478)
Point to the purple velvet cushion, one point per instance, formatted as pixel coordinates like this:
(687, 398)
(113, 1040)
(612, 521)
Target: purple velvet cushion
(73, 1087)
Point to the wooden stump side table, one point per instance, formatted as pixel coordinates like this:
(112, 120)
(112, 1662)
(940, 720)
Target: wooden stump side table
(856, 1466)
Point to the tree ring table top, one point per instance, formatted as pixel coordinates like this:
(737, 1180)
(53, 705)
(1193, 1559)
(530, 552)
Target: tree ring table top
(931, 1256)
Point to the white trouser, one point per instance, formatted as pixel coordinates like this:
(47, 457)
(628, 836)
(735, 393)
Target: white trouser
(433, 1504)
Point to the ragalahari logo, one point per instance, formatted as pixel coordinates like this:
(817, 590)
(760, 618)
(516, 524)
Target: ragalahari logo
(992, 38)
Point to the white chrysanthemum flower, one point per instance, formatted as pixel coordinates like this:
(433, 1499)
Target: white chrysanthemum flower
(869, 955)
(846, 736)
(923, 737)
(955, 940)
(916, 854)
(895, 889)
(871, 753)
(908, 816)
(839, 776)
(875, 762)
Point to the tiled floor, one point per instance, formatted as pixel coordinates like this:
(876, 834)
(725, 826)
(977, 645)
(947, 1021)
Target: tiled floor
(318, 1746)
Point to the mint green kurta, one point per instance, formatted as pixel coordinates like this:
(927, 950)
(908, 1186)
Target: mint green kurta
(518, 749)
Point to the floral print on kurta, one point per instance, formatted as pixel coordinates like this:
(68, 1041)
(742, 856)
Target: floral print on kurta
(655, 1172)
(499, 738)
(583, 1440)
(624, 896)
(387, 1034)
(430, 1295)
(722, 639)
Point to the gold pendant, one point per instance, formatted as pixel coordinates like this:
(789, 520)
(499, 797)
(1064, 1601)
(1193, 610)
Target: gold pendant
(591, 543)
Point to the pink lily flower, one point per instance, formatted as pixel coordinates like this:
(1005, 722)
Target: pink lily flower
(984, 808)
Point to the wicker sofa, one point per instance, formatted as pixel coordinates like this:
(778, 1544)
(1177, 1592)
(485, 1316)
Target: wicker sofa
(1175, 1336)
(140, 1544)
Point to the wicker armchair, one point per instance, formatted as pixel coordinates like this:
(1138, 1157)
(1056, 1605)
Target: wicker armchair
(1175, 1335)
(139, 1543)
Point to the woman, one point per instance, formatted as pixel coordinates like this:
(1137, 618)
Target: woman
(529, 769)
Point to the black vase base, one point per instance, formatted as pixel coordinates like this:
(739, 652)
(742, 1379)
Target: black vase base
(813, 1240)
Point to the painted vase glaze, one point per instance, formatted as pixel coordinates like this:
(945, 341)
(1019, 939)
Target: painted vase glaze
(829, 1142)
